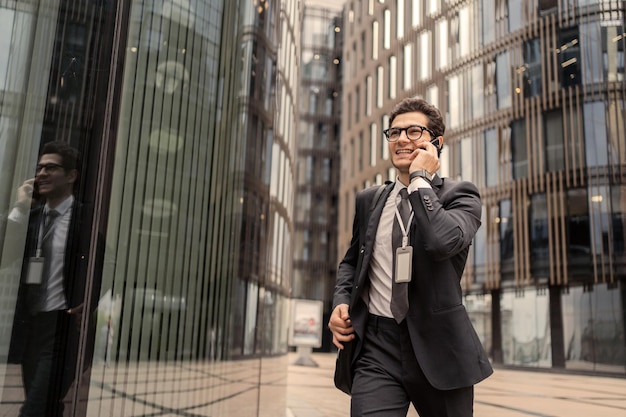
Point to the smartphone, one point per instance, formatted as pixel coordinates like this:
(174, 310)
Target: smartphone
(36, 196)
(437, 143)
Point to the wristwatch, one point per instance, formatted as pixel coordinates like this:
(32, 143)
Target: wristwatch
(421, 173)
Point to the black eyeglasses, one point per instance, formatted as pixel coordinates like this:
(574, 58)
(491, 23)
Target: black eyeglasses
(50, 168)
(413, 132)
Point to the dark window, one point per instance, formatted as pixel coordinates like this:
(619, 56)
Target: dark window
(532, 68)
(538, 229)
(546, 7)
(492, 152)
(518, 149)
(618, 219)
(578, 237)
(506, 231)
(569, 57)
(554, 140)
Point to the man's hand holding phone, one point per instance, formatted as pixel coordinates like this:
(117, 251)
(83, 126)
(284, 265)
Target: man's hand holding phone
(25, 195)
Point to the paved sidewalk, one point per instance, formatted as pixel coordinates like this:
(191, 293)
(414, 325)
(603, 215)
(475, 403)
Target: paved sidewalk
(507, 393)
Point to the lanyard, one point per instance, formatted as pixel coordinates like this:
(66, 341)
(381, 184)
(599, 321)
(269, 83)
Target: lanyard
(48, 228)
(403, 228)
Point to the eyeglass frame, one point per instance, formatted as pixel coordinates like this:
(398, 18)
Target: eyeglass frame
(406, 131)
(50, 168)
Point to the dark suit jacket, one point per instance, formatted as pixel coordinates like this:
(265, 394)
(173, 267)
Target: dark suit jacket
(445, 222)
(74, 273)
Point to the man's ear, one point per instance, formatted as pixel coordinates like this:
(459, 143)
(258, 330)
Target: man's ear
(72, 176)
(438, 142)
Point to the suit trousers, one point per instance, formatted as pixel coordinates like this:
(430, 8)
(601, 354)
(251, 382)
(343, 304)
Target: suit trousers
(388, 378)
(42, 367)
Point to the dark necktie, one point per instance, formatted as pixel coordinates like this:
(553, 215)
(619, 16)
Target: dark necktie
(399, 291)
(38, 294)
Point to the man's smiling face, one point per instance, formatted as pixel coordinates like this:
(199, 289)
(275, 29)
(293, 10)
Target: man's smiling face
(401, 151)
(53, 180)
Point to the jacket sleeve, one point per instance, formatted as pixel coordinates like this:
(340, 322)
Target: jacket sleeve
(351, 263)
(447, 221)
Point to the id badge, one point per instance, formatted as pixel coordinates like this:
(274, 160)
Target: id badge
(35, 270)
(404, 264)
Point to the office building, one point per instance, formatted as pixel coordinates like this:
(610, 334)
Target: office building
(533, 95)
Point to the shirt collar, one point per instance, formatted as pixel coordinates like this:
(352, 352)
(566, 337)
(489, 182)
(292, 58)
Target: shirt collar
(61, 208)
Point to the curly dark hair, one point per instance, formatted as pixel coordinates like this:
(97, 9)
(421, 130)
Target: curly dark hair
(69, 155)
(415, 104)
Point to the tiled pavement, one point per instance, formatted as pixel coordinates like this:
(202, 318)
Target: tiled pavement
(507, 393)
(230, 389)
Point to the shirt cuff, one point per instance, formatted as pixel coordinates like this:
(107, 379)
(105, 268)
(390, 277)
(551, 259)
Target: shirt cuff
(17, 216)
(418, 182)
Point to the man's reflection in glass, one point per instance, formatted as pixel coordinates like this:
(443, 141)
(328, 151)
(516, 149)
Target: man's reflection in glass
(49, 304)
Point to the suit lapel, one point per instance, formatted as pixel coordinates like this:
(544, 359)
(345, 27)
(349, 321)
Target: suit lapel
(372, 227)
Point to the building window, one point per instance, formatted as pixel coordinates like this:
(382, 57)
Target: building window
(480, 250)
(618, 218)
(519, 150)
(515, 12)
(432, 95)
(441, 52)
(361, 151)
(353, 60)
(466, 156)
(538, 234)
(357, 102)
(416, 13)
(455, 102)
(569, 57)
(425, 55)
(492, 167)
(363, 48)
(375, 40)
(477, 88)
(373, 144)
(554, 140)
(393, 71)
(600, 211)
(399, 19)
(408, 67)
(503, 81)
(597, 148)
(433, 7)
(592, 60)
(613, 52)
(489, 21)
(578, 237)
(349, 110)
(387, 29)
(546, 7)
(384, 147)
(380, 80)
(369, 86)
(505, 222)
(532, 68)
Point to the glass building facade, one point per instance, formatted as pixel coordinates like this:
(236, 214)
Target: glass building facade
(533, 94)
(315, 215)
(185, 114)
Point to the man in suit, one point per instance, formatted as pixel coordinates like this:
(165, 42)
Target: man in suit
(50, 299)
(398, 296)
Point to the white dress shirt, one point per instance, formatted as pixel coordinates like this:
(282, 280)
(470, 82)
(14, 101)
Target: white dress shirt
(381, 264)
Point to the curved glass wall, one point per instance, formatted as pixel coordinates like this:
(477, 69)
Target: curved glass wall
(182, 111)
